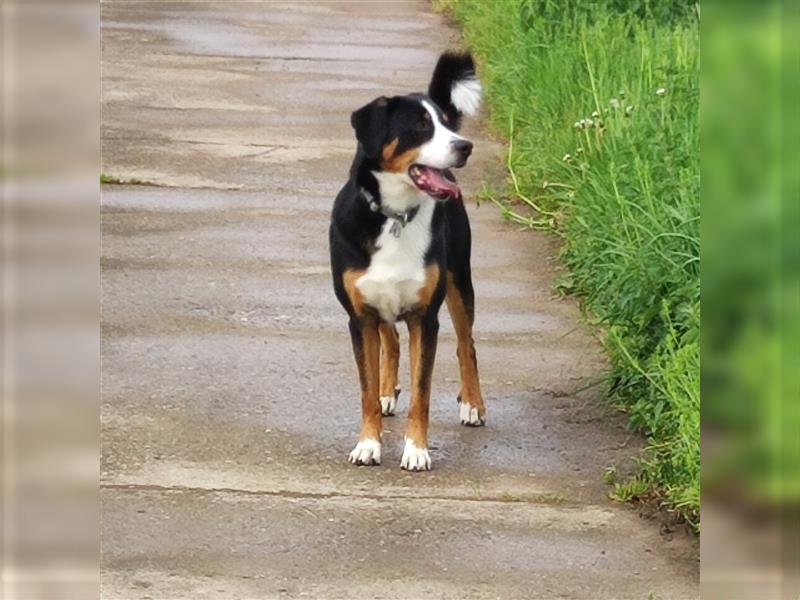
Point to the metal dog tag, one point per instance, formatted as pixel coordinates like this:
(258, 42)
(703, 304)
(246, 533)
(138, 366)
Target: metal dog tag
(396, 229)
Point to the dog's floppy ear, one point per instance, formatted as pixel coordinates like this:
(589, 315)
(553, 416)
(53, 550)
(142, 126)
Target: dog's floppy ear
(371, 125)
(455, 86)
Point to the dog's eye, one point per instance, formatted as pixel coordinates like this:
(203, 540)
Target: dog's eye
(424, 124)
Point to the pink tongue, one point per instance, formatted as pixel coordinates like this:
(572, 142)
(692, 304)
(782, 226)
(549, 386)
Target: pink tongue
(439, 183)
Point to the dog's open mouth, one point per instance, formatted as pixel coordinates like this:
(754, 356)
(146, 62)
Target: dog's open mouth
(438, 183)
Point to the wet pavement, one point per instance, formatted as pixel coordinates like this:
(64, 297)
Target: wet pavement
(230, 399)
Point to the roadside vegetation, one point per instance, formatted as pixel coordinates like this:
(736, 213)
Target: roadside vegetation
(107, 179)
(599, 104)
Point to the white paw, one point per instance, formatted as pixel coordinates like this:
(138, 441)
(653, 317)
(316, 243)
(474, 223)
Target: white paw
(388, 404)
(469, 415)
(415, 459)
(366, 452)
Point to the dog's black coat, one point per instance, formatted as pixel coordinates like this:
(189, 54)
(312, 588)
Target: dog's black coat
(355, 227)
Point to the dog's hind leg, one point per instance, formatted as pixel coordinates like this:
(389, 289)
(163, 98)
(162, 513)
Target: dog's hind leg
(460, 301)
(390, 360)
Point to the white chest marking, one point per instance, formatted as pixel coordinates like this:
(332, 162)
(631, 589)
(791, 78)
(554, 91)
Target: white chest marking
(396, 271)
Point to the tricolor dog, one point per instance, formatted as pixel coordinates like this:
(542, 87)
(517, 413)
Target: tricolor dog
(400, 246)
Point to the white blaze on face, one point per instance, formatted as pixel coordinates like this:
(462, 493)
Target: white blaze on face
(438, 152)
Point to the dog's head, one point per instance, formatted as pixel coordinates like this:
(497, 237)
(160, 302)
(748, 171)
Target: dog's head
(413, 138)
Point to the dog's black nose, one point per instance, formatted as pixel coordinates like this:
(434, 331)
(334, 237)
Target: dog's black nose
(463, 148)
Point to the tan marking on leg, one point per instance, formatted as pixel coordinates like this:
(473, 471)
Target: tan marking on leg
(349, 279)
(371, 424)
(467, 361)
(412, 322)
(417, 427)
(421, 359)
(390, 358)
(366, 348)
(428, 289)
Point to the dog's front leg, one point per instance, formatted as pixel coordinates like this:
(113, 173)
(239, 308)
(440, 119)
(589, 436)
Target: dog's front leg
(367, 348)
(423, 332)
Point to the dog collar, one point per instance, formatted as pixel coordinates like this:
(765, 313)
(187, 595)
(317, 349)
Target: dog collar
(401, 219)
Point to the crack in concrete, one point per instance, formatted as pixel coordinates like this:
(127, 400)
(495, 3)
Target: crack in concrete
(533, 499)
(269, 147)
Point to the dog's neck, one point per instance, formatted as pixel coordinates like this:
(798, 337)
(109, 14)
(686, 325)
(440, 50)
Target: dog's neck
(397, 194)
(400, 219)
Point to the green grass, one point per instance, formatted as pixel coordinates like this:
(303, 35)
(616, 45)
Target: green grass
(113, 180)
(631, 490)
(599, 104)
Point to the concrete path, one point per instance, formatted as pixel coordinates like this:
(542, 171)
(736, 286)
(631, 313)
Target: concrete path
(230, 400)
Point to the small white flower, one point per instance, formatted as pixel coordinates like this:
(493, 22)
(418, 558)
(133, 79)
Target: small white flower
(578, 124)
(629, 109)
(588, 122)
(567, 157)
(661, 91)
(595, 114)
(579, 150)
(614, 103)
